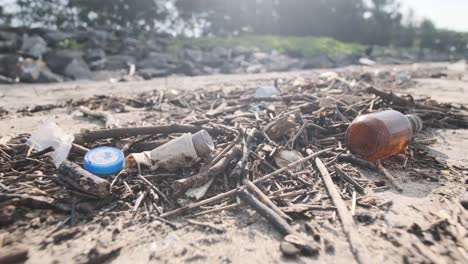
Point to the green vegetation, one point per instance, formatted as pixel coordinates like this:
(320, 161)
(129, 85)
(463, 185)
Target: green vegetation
(308, 46)
(70, 44)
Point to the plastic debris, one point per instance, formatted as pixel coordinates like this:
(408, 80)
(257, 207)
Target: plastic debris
(266, 91)
(367, 62)
(48, 134)
(178, 153)
(284, 157)
(104, 160)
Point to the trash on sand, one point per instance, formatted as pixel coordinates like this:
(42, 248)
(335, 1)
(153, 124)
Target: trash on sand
(366, 61)
(402, 77)
(329, 76)
(265, 91)
(77, 178)
(48, 134)
(284, 157)
(377, 136)
(104, 160)
(178, 153)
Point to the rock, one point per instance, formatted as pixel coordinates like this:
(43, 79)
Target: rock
(57, 60)
(47, 76)
(156, 60)
(53, 37)
(255, 69)
(96, 58)
(78, 69)
(150, 73)
(194, 55)
(229, 67)
(69, 63)
(320, 60)
(116, 62)
(261, 57)
(212, 60)
(8, 41)
(33, 46)
(221, 52)
(240, 51)
(92, 55)
(288, 249)
(8, 65)
(189, 68)
(342, 60)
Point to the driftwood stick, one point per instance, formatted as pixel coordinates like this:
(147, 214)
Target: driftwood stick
(106, 117)
(234, 191)
(290, 166)
(347, 222)
(218, 209)
(200, 203)
(349, 179)
(247, 145)
(92, 136)
(159, 192)
(14, 256)
(356, 161)
(264, 199)
(203, 177)
(297, 97)
(273, 218)
(401, 101)
(389, 176)
(76, 177)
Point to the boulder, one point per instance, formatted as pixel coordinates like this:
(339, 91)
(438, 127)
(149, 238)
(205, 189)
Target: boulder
(53, 37)
(77, 69)
(117, 62)
(96, 58)
(150, 73)
(9, 41)
(320, 60)
(189, 68)
(347, 59)
(156, 60)
(57, 60)
(194, 55)
(33, 46)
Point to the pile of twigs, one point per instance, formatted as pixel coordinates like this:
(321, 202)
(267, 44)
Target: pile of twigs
(285, 156)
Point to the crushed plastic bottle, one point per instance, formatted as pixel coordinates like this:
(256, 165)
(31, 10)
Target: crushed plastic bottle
(178, 153)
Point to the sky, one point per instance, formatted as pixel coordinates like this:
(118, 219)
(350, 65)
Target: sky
(448, 14)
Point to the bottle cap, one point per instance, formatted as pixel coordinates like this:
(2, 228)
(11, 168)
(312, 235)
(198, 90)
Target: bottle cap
(104, 160)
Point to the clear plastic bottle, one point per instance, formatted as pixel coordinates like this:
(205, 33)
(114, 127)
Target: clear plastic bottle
(379, 135)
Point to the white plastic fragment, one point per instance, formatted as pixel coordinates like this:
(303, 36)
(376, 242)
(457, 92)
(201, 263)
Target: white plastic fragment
(284, 157)
(48, 134)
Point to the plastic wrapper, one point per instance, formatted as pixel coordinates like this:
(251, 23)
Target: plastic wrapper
(48, 134)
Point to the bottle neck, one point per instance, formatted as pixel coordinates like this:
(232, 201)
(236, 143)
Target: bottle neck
(416, 123)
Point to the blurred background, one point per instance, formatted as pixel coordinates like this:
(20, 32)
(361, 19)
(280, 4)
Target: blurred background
(386, 31)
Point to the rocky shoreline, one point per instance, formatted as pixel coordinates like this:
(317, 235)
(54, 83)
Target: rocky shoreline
(42, 56)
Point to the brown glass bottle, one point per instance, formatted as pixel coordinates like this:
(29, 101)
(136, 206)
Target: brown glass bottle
(377, 136)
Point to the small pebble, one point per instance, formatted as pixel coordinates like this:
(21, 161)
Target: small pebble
(379, 183)
(288, 249)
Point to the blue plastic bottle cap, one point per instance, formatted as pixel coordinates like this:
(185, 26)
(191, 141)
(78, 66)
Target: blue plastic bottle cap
(104, 160)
